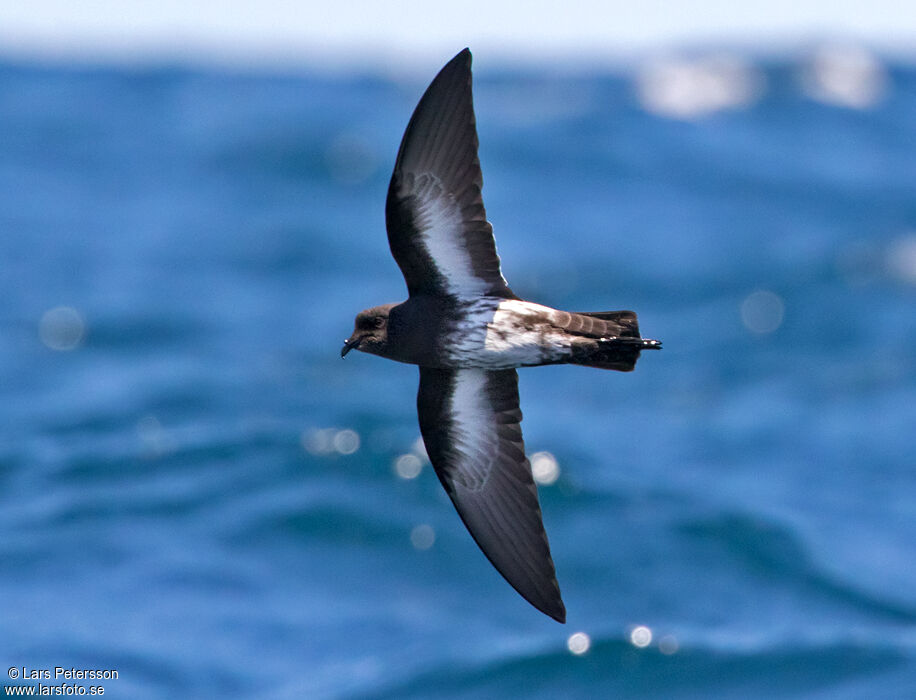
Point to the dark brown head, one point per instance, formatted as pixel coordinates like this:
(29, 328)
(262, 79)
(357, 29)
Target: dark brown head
(370, 332)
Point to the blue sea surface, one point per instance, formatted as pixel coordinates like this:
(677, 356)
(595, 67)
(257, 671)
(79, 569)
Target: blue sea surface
(197, 492)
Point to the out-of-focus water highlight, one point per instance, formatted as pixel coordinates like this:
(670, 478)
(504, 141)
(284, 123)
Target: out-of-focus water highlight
(196, 491)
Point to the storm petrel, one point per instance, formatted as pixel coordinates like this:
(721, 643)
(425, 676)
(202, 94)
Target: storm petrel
(468, 332)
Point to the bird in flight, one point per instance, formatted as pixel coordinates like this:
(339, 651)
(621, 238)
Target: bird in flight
(468, 332)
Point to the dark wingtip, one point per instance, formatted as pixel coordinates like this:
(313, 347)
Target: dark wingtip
(558, 614)
(463, 57)
(550, 606)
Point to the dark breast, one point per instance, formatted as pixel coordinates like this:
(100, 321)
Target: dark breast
(416, 331)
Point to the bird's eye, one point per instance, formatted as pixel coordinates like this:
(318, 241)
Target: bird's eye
(379, 321)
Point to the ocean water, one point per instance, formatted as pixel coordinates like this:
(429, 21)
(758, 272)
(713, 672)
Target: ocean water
(197, 492)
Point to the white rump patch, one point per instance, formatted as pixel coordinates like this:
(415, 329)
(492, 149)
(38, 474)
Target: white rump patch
(495, 333)
(521, 333)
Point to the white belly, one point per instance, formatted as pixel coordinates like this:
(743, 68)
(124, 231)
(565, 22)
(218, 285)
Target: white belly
(498, 334)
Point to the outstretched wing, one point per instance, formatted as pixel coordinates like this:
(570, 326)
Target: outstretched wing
(470, 421)
(437, 225)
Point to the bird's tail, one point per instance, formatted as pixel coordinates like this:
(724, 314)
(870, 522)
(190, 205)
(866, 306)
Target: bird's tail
(618, 346)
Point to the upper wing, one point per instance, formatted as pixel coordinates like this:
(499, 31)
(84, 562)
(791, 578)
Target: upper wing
(470, 421)
(437, 225)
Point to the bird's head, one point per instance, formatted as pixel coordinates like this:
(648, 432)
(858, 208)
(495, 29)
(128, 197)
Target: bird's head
(370, 332)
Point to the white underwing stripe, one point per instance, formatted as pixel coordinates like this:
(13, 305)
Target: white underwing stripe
(438, 219)
(471, 422)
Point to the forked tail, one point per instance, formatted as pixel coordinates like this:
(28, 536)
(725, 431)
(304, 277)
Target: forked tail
(617, 346)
